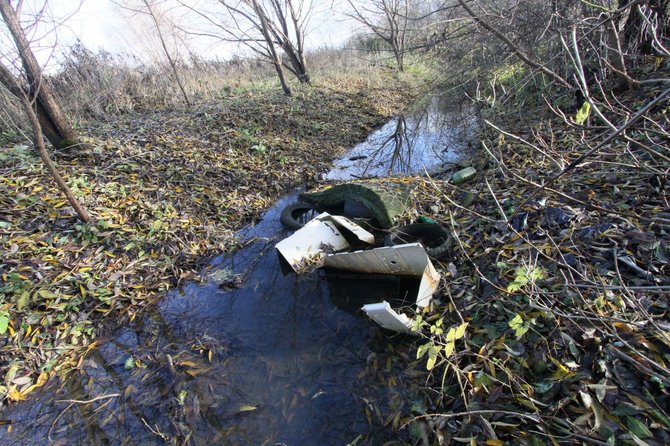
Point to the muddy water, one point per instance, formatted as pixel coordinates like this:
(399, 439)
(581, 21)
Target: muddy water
(254, 357)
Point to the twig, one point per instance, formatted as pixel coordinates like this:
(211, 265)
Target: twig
(651, 289)
(560, 165)
(495, 199)
(533, 418)
(623, 356)
(609, 138)
(156, 431)
(72, 403)
(97, 398)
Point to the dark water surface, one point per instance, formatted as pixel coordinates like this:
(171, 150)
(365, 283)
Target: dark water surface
(272, 361)
(254, 357)
(434, 133)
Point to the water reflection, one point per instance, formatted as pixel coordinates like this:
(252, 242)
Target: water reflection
(264, 359)
(272, 361)
(437, 131)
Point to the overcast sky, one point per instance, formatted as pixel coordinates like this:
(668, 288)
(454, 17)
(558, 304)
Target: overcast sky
(101, 24)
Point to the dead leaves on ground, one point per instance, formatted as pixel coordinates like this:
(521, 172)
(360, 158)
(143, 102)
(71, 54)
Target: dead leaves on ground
(167, 189)
(566, 296)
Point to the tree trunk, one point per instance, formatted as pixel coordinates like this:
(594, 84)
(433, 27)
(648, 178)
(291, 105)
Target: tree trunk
(11, 83)
(51, 117)
(298, 51)
(297, 64)
(271, 48)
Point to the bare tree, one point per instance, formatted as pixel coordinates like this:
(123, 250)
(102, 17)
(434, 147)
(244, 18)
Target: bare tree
(388, 20)
(521, 54)
(150, 8)
(50, 115)
(169, 57)
(272, 29)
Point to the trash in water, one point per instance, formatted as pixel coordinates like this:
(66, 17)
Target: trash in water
(403, 260)
(433, 237)
(384, 315)
(321, 242)
(321, 235)
(383, 202)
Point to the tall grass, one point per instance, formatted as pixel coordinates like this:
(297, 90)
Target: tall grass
(98, 85)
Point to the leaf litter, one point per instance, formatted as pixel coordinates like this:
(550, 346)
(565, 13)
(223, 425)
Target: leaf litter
(550, 326)
(564, 290)
(167, 188)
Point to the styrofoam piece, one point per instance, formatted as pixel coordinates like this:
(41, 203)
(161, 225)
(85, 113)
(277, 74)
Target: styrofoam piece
(318, 235)
(405, 260)
(384, 315)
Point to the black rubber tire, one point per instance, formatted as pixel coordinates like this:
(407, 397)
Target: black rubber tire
(290, 215)
(434, 238)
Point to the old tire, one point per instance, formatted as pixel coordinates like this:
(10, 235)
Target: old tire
(434, 238)
(295, 215)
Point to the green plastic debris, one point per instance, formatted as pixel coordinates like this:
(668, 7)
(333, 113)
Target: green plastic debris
(424, 219)
(385, 202)
(463, 175)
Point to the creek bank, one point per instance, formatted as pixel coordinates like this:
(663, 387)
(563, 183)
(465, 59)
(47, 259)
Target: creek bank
(563, 288)
(167, 189)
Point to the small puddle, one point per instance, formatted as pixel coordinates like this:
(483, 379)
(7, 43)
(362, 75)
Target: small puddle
(434, 133)
(252, 357)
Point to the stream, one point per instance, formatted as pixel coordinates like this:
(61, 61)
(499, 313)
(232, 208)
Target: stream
(254, 356)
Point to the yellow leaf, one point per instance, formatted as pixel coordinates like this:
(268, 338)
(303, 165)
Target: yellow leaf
(583, 113)
(15, 395)
(561, 367)
(82, 290)
(493, 442)
(247, 408)
(451, 335)
(449, 348)
(60, 276)
(187, 363)
(34, 338)
(460, 331)
(28, 390)
(42, 379)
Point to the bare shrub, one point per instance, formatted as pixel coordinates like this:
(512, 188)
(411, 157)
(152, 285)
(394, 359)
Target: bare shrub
(94, 85)
(11, 117)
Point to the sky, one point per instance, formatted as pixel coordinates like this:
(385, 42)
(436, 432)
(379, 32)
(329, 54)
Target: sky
(101, 24)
